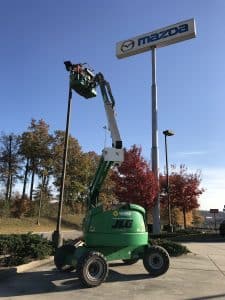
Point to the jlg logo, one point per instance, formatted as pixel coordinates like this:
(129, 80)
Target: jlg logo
(122, 223)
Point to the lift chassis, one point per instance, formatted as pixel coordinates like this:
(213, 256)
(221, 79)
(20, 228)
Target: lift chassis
(118, 233)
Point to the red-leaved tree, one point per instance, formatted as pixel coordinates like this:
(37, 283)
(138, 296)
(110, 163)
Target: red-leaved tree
(184, 189)
(134, 181)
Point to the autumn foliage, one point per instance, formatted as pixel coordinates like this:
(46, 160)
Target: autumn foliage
(134, 181)
(184, 190)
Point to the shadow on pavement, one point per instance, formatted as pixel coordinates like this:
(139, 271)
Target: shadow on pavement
(39, 282)
(198, 239)
(222, 296)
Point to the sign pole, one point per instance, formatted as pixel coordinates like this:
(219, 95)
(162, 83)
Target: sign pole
(155, 152)
(162, 37)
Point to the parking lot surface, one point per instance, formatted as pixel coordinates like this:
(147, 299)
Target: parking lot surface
(198, 275)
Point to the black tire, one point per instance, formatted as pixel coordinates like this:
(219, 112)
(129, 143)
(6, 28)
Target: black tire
(130, 261)
(92, 269)
(60, 258)
(156, 260)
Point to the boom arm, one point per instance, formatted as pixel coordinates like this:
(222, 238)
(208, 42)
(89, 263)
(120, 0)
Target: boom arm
(84, 82)
(109, 104)
(109, 156)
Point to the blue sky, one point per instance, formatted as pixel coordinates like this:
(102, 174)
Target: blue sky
(37, 36)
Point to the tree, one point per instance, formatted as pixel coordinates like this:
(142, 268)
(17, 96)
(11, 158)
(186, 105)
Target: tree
(35, 147)
(184, 190)
(198, 219)
(79, 170)
(21, 206)
(107, 194)
(9, 162)
(43, 195)
(134, 181)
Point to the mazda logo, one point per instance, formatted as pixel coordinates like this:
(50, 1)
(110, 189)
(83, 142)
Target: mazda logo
(127, 45)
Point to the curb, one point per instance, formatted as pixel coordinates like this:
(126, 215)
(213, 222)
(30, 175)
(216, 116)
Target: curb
(7, 272)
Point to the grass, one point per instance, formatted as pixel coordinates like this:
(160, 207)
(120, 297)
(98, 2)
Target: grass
(25, 225)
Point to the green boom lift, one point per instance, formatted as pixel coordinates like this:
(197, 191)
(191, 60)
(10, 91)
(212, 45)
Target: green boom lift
(118, 233)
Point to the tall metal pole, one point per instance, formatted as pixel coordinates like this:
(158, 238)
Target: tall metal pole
(170, 229)
(155, 152)
(57, 236)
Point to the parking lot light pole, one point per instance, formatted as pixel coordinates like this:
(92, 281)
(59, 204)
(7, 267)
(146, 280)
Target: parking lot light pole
(57, 234)
(166, 134)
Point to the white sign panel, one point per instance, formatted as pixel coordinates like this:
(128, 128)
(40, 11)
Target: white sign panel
(159, 38)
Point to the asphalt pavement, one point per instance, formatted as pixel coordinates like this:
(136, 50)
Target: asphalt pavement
(198, 275)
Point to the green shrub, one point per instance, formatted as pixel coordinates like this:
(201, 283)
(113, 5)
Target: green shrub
(189, 231)
(179, 233)
(22, 248)
(174, 249)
